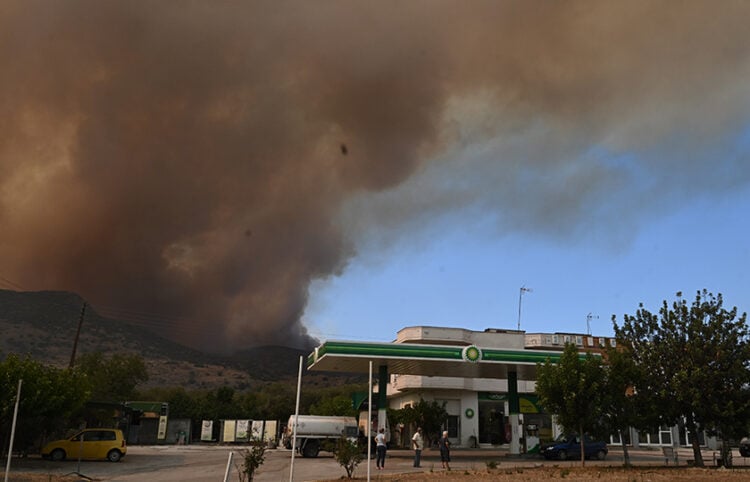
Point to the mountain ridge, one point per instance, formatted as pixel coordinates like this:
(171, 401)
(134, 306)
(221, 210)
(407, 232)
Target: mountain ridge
(43, 325)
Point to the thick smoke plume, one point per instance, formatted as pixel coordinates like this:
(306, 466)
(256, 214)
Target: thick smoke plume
(192, 158)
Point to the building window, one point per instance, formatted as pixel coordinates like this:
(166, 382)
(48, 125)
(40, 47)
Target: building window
(555, 340)
(612, 342)
(547, 340)
(451, 425)
(590, 341)
(566, 338)
(579, 340)
(602, 342)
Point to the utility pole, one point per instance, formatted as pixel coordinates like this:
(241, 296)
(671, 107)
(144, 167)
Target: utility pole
(523, 290)
(13, 429)
(78, 334)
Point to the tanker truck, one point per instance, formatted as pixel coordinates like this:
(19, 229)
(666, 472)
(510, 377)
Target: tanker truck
(313, 430)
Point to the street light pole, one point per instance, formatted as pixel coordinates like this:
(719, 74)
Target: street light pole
(523, 290)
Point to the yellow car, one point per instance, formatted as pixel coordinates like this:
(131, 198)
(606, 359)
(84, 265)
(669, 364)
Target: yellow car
(92, 443)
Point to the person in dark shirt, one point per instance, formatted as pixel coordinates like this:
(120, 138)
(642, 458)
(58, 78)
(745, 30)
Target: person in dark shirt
(445, 450)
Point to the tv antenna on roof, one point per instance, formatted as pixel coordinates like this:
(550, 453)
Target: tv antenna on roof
(590, 317)
(523, 290)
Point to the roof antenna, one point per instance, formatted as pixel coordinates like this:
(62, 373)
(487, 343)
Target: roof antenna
(590, 317)
(523, 290)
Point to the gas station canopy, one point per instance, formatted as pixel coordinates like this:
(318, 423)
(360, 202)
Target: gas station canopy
(468, 361)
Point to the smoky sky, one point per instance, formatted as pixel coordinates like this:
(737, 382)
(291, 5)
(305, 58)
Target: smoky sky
(193, 159)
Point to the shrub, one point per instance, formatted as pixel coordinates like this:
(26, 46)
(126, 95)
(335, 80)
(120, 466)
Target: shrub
(252, 458)
(348, 455)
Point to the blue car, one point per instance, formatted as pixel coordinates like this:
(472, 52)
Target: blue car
(569, 447)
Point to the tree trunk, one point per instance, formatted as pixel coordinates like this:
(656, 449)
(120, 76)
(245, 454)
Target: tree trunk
(726, 454)
(625, 453)
(581, 445)
(696, 444)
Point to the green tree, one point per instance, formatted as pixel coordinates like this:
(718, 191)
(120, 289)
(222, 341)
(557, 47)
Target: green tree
(573, 390)
(276, 401)
(112, 379)
(696, 364)
(252, 458)
(336, 405)
(49, 398)
(620, 404)
(182, 404)
(336, 400)
(221, 403)
(248, 404)
(348, 454)
(430, 415)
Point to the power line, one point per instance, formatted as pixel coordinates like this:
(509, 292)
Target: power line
(342, 336)
(7, 282)
(146, 318)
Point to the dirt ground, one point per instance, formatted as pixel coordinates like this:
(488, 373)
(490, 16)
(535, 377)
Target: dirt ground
(574, 474)
(522, 474)
(42, 478)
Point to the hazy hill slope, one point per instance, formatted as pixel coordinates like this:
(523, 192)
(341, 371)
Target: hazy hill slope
(43, 325)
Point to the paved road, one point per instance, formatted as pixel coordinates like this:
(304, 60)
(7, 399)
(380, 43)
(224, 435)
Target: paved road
(198, 463)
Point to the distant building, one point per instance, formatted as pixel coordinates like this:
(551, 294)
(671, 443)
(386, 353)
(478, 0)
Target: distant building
(486, 379)
(478, 408)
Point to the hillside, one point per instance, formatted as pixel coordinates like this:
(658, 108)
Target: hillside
(43, 326)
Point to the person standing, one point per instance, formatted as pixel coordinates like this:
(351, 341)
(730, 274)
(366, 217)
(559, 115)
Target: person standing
(445, 450)
(418, 443)
(381, 448)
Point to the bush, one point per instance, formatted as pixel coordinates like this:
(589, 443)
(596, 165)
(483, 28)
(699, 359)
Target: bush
(252, 458)
(348, 455)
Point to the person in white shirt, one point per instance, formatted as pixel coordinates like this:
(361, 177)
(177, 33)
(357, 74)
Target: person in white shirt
(381, 448)
(418, 444)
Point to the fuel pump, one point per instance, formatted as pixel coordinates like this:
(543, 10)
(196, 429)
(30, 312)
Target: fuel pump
(532, 438)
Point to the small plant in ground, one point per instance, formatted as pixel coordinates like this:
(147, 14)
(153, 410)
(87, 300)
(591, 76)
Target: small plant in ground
(250, 459)
(491, 464)
(348, 455)
(564, 473)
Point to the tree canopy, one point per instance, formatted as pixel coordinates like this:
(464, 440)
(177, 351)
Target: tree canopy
(695, 362)
(573, 390)
(429, 415)
(112, 379)
(620, 408)
(49, 398)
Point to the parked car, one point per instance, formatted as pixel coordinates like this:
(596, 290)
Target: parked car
(89, 444)
(569, 447)
(745, 447)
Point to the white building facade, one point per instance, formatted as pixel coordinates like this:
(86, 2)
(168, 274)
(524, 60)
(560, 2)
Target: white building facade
(478, 408)
(486, 379)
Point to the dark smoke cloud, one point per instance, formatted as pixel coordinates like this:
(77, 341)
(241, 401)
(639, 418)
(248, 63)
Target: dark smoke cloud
(192, 158)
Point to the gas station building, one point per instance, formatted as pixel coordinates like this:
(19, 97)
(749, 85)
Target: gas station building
(485, 378)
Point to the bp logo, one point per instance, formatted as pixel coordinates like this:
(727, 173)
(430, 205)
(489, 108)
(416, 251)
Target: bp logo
(471, 354)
